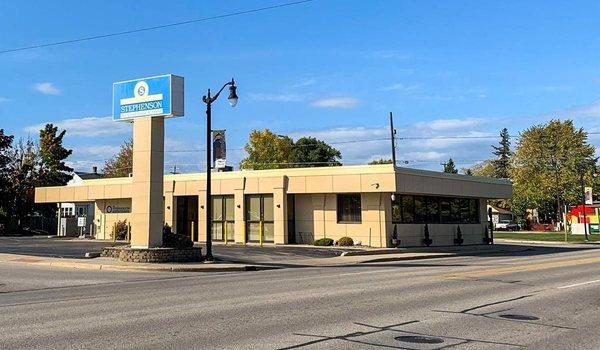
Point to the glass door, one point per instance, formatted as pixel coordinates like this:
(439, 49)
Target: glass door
(223, 218)
(259, 218)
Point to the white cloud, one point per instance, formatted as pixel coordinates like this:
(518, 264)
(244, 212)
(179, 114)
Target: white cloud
(336, 102)
(3, 99)
(46, 88)
(401, 87)
(449, 124)
(304, 83)
(89, 127)
(390, 54)
(276, 97)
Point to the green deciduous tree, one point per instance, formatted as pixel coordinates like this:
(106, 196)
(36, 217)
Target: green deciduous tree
(23, 176)
(503, 153)
(310, 152)
(5, 165)
(380, 161)
(122, 163)
(484, 169)
(450, 167)
(547, 164)
(267, 150)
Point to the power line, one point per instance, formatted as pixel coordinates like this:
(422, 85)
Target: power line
(145, 29)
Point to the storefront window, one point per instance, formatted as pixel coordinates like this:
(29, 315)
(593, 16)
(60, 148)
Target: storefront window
(409, 209)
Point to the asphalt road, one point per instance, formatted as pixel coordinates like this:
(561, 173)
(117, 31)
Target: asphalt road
(541, 299)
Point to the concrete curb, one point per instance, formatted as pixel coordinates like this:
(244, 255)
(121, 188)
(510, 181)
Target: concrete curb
(525, 241)
(88, 264)
(408, 258)
(146, 268)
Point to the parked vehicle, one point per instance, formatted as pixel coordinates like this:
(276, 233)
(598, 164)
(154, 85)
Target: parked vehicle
(507, 225)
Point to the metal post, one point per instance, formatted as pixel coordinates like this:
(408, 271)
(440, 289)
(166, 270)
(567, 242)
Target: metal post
(209, 256)
(585, 228)
(261, 233)
(225, 232)
(393, 134)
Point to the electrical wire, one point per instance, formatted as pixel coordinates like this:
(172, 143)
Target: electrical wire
(162, 26)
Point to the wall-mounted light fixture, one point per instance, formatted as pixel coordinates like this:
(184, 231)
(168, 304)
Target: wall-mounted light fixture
(393, 197)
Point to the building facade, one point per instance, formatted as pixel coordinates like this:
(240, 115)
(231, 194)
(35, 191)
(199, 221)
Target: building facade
(370, 204)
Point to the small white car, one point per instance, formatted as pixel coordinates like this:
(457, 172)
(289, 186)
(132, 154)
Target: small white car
(506, 225)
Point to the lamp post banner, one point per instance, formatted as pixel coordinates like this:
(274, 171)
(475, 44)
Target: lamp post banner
(219, 149)
(589, 197)
(159, 96)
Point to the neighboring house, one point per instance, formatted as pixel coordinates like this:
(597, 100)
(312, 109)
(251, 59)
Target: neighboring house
(499, 214)
(69, 212)
(371, 204)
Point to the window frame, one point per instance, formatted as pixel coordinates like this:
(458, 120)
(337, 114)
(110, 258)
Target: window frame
(353, 218)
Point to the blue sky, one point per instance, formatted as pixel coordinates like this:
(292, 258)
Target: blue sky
(330, 68)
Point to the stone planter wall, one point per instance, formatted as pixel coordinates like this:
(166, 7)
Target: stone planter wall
(153, 255)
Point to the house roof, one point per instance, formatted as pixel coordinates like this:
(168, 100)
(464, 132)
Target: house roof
(88, 176)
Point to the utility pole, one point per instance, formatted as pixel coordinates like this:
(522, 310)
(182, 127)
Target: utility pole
(393, 134)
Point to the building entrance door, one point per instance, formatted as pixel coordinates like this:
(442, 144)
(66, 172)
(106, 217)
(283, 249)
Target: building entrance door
(187, 216)
(259, 218)
(223, 219)
(291, 218)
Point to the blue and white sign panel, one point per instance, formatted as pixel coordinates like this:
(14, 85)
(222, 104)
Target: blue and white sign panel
(148, 97)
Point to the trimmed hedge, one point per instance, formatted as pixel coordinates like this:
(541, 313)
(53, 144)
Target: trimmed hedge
(324, 242)
(345, 242)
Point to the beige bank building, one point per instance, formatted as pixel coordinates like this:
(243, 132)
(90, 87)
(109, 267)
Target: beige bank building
(371, 204)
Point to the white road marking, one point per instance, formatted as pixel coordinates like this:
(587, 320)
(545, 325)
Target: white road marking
(579, 284)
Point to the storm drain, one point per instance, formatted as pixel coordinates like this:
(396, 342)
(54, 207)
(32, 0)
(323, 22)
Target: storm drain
(418, 339)
(520, 317)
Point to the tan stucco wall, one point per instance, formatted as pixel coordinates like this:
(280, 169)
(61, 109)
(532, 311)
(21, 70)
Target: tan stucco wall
(104, 221)
(315, 191)
(316, 217)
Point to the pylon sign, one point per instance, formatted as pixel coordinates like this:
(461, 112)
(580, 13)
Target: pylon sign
(148, 97)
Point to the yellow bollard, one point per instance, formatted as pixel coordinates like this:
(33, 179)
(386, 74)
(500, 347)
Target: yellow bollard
(244, 233)
(260, 233)
(128, 232)
(192, 233)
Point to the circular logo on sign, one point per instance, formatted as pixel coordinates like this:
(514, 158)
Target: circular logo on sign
(109, 209)
(140, 89)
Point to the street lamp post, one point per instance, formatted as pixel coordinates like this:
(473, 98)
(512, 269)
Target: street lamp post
(208, 100)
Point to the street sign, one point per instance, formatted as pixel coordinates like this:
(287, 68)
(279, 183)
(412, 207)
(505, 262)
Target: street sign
(148, 97)
(81, 221)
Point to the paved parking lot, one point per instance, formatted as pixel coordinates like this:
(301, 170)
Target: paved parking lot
(76, 248)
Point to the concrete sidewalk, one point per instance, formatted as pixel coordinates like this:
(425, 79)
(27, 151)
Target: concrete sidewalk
(108, 264)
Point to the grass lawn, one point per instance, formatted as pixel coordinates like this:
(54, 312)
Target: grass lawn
(544, 236)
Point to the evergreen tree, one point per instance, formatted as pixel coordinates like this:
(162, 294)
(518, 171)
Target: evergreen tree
(502, 162)
(52, 154)
(121, 164)
(450, 167)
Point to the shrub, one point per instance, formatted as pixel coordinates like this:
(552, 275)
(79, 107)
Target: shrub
(119, 231)
(173, 240)
(345, 242)
(324, 242)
